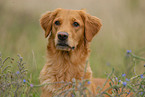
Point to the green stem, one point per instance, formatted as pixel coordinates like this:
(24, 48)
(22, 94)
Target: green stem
(112, 87)
(107, 80)
(136, 76)
(137, 57)
(46, 84)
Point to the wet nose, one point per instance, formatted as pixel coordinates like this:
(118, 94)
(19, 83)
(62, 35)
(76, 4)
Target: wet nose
(62, 36)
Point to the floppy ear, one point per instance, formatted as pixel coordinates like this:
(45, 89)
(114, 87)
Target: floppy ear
(46, 21)
(92, 25)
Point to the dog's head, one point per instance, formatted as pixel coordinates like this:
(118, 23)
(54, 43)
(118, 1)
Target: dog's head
(69, 27)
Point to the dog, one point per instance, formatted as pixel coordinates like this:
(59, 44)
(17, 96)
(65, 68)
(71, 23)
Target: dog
(69, 34)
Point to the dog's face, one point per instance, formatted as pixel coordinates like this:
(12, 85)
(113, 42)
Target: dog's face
(69, 27)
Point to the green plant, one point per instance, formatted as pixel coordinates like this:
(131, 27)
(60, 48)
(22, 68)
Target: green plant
(14, 82)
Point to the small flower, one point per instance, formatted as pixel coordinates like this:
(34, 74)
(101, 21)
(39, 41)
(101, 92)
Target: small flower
(128, 93)
(124, 83)
(116, 78)
(24, 80)
(31, 85)
(21, 58)
(123, 75)
(141, 93)
(128, 51)
(72, 95)
(141, 76)
(17, 72)
(127, 79)
(89, 82)
(144, 65)
(80, 83)
(119, 81)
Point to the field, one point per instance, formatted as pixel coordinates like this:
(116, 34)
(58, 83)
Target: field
(123, 30)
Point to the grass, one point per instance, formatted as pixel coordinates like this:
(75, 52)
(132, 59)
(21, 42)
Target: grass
(123, 28)
(14, 82)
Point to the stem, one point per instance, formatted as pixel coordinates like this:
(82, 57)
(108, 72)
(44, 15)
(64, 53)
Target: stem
(107, 79)
(137, 57)
(46, 84)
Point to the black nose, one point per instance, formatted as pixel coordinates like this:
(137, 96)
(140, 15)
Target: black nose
(62, 36)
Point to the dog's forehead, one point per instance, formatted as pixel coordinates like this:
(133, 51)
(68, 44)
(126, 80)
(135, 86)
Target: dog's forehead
(67, 13)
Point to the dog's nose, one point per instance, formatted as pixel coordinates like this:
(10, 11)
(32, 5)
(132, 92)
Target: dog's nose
(62, 36)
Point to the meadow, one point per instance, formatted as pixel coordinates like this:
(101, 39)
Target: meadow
(123, 32)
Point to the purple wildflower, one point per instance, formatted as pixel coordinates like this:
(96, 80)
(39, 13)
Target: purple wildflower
(128, 51)
(18, 72)
(124, 83)
(24, 80)
(128, 93)
(141, 93)
(127, 79)
(119, 81)
(72, 95)
(116, 78)
(31, 85)
(89, 82)
(141, 76)
(123, 75)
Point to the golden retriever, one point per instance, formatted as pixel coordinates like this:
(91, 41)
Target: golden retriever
(69, 33)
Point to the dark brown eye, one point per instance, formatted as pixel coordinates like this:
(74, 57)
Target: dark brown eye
(75, 24)
(57, 22)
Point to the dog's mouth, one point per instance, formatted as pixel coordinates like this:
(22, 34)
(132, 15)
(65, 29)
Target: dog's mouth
(64, 46)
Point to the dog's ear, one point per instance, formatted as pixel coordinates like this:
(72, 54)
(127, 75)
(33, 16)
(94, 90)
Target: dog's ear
(92, 25)
(46, 21)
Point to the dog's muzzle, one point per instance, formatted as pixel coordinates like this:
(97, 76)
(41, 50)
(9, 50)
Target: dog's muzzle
(62, 42)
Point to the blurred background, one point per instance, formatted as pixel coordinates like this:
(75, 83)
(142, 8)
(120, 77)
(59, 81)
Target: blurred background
(123, 29)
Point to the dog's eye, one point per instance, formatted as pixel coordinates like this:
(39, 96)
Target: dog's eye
(57, 22)
(75, 24)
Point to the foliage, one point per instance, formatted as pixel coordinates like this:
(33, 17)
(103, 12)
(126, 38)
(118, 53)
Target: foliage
(12, 78)
(15, 83)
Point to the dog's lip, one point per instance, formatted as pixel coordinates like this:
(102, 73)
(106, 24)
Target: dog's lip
(64, 45)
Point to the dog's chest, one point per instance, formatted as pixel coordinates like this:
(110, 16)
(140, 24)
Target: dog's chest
(67, 73)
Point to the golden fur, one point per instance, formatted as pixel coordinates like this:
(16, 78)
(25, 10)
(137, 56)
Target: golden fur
(64, 64)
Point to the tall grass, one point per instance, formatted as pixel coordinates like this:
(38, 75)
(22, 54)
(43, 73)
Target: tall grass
(14, 82)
